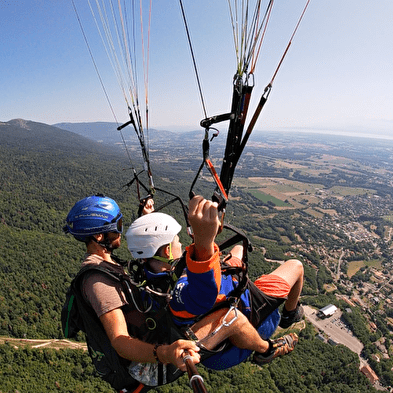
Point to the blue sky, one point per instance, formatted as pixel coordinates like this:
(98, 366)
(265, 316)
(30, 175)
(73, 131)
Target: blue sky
(336, 77)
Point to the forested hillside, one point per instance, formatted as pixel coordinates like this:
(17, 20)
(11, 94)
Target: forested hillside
(43, 171)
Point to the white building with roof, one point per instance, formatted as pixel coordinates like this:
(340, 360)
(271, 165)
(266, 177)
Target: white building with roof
(328, 310)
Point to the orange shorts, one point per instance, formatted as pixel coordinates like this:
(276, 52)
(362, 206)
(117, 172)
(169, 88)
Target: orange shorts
(269, 284)
(273, 285)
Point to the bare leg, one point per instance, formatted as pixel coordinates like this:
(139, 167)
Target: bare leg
(292, 272)
(240, 333)
(236, 252)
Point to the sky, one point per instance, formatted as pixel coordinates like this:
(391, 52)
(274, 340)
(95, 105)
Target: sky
(336, 77)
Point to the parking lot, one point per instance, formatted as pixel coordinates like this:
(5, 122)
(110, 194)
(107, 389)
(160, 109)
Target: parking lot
(334, 328)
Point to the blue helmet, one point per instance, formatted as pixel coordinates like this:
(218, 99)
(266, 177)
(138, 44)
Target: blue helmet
(93, 215)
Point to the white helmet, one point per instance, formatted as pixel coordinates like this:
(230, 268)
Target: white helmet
(150, 232)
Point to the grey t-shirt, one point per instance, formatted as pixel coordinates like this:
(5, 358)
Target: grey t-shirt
(105, 294)
(99, 290)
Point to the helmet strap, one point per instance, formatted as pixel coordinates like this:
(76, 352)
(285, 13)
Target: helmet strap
(106, 243)
(163, 259)
(171, 262)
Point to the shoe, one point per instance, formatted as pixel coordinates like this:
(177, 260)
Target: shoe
(290, 317)
(279, 347)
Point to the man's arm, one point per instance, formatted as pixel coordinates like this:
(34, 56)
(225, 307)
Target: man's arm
(136, 350)
(203, 216)
(197, 292)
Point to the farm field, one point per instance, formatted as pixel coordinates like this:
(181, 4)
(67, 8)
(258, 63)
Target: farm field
(355, 266)
(290, 194)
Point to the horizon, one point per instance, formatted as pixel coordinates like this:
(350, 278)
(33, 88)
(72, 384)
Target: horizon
(184, 129)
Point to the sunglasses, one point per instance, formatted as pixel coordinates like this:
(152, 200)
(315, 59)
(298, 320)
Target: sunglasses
(116, 225)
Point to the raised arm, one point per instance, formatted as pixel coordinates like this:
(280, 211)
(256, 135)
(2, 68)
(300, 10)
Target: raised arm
(196, 293)
(203, 217)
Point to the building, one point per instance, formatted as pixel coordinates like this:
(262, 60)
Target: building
(370, 374)
(328, 310)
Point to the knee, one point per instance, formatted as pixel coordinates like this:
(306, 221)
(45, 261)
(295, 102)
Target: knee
(238, 318)
(237, 252)
(296, 266)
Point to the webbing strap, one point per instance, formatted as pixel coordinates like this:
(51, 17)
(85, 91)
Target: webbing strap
(70, 304)
(240, 102)
(221, 196)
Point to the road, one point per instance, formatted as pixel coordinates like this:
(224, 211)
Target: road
(37, 343)
(339, 265)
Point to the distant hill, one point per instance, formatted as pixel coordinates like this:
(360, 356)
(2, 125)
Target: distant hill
(102, 132)
(106, 132)
(44, 170)
(25, 134)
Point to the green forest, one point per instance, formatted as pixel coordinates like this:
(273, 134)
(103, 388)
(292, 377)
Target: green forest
(312, 367)
(43, 172)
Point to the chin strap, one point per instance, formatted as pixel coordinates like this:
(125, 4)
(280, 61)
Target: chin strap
(106, 243)
(166, 260)
(162, 259)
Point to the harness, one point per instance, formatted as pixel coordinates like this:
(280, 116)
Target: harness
(148, 310)
(149, 324)
(77, 316)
